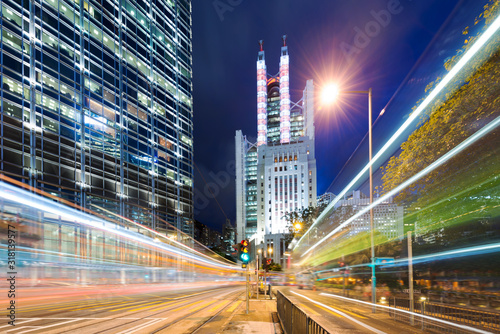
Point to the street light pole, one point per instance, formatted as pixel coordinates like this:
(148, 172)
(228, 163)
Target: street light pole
(372, 230)
(329, 95)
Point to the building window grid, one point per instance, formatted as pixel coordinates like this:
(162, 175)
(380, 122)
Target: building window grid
(59, 101)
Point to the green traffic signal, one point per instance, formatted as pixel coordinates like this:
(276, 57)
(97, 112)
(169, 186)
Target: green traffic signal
(244, 251)
(244, 257)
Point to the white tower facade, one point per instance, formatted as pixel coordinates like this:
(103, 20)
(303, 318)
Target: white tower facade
(286, 182)
(277, 174)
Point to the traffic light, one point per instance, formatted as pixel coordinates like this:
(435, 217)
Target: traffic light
(244, 251)
(267, 264)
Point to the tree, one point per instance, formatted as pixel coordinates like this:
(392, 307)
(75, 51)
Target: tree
(274, 267)
(457, 203)
(456, 189)
(300, 221)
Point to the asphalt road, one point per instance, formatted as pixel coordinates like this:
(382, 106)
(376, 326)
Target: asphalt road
(200, 310)
(344, 317)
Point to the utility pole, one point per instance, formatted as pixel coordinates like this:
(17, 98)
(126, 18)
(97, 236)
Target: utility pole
(257, 280)
(343, 275)
(248, 278)
(410, 276)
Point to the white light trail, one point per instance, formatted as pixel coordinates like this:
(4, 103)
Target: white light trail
(11, 193)
(342, 314)
(460, 252)
(492, 29)
(459, 148)
(471, 329)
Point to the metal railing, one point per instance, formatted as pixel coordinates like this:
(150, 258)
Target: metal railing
(485, 320)
(294, 320)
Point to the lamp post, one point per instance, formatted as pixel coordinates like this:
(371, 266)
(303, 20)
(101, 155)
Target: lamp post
(270, 251)
(259, 251)
(330, 93)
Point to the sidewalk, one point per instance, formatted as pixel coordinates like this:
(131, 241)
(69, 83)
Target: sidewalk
(261, 318)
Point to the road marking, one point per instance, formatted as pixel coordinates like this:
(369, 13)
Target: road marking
(43, 327)
(132, 306)
(104, 318)
(73, 305)
(141, 326)
(236, 304)
(197, 307)
(348, 312)
(169, 304)
(106, 306)
(217, 306)
(149, 306)
(44, 307)
(194, 294)
(304, 306)
(20, 323)
(343, 314)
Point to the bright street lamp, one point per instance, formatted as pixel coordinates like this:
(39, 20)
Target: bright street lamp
(330, 93)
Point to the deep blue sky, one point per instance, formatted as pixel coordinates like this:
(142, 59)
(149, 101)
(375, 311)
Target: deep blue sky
(225, 46)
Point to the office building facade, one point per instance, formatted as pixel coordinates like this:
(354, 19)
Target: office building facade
(387, 216)
(325, 199)
(97, 105)
(277, 174)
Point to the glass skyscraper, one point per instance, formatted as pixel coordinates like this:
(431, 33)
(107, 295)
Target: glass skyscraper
(96, 104)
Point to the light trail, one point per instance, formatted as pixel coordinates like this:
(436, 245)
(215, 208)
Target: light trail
(450, 154)
(491, 248)
(492, 29)
(11, 193)
(461, 252)
(159, 235)
(467, 328)
(370, 328)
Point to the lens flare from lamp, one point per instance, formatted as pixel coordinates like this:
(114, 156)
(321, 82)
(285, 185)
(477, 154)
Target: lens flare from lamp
(330, 93)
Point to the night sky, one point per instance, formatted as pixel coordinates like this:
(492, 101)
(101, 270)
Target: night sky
(324, 44)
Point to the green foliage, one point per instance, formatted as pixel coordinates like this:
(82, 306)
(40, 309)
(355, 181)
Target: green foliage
(465, 189)
(274, 267)
(468, 181)
(305, 217)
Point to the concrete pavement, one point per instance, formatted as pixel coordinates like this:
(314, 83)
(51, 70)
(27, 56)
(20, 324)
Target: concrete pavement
(261, 318)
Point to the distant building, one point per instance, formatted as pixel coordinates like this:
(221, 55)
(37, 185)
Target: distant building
(325, 199)
(387, 216)
(246, 187)
(201, 233)
(228, 236)
(215, 240)
(277, 174)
